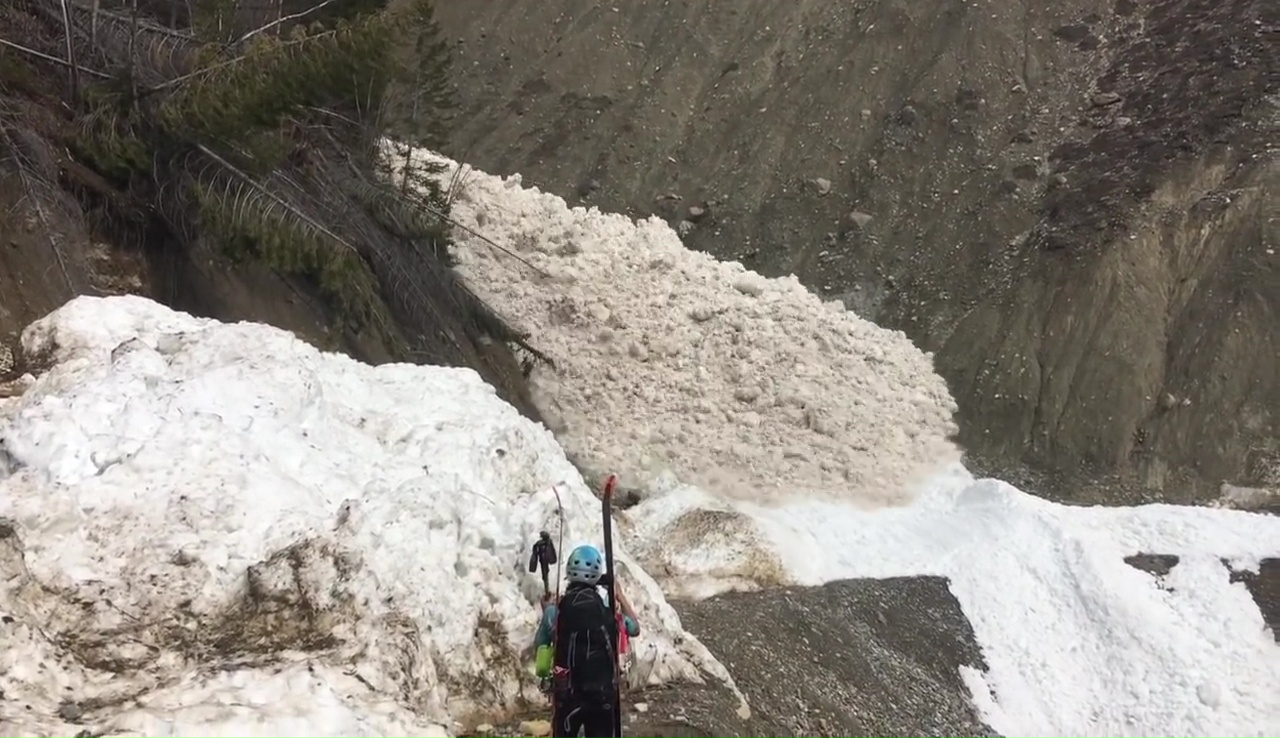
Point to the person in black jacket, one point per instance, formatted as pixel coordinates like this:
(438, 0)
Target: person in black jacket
(577, 650)
(543, 555)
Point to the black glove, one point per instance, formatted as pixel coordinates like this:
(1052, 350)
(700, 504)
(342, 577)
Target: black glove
(605, 579)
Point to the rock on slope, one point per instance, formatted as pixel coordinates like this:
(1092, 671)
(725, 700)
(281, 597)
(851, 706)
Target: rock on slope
(217, 528)
(1067, 201)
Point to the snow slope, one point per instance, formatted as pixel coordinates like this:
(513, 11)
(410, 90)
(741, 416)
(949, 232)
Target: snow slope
(749, 386)
(673, 362)
(214, 529)
(1077, 642)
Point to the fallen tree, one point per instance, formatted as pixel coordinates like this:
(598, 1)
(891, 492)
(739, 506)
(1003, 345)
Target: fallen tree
(255, 130)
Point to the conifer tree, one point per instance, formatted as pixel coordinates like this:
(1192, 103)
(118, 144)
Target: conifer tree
(259, 129)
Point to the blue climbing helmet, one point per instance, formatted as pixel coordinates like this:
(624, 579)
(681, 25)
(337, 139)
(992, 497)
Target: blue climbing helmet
(585, 565)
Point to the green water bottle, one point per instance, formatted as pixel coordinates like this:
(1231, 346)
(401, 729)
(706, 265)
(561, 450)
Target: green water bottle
(542, 663)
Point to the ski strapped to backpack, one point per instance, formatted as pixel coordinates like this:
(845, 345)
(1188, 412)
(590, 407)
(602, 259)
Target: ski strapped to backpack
(560, 543)
(606, 511)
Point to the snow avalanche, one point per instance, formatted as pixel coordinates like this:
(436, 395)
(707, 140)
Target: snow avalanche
(670, 361)
(211, 529)
(704, 370)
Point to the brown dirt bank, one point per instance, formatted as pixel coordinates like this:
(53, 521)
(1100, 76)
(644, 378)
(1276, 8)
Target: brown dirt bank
(1071, 203)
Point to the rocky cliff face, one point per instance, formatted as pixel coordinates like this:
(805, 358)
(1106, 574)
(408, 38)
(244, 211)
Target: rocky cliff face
(1072, 203)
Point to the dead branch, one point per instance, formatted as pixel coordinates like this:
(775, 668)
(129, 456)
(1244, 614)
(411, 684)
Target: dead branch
(95, 10)
(32, 187)
(54, 59)
(221, 65)
(133, 41)
(77, 174)
(445, 217)
(255, 185)
(71, 53)
(281, 20)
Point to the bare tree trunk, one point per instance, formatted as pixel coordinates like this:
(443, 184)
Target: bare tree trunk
(71, 54)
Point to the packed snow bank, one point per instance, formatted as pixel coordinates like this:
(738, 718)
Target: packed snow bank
(1077, 641)
(671, 361)
(216, 529)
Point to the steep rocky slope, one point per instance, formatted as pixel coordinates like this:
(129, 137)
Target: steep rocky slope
(1072, 204)
(47, 259)
(72, 225)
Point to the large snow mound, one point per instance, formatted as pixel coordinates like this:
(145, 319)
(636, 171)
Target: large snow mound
(669, 361)
(1077, 641)
(211, 529)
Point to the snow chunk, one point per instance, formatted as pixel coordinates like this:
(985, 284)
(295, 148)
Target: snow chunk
(746, 385)
(214, 529)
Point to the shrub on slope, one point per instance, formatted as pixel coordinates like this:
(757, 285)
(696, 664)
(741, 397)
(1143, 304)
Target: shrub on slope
(250, 130)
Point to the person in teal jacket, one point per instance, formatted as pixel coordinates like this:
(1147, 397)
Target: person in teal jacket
(579, 570)
(578, 643)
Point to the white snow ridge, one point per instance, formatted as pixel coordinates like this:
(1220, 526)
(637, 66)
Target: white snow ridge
(211, 529)
(747, 386)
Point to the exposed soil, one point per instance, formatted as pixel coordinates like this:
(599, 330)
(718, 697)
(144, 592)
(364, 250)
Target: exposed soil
(1071, 203)
(858, 657)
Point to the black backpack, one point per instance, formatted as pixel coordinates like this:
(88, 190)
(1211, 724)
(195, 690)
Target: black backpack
(585, 632)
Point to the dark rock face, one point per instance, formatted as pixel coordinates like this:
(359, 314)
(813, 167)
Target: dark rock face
(1066, 201)
(1156, 565)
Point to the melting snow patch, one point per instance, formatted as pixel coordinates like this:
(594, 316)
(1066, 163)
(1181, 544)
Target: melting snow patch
(1077, 641)
(216, 529)
(669, 360)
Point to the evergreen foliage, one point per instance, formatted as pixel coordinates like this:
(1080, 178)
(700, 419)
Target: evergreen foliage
(258, 129)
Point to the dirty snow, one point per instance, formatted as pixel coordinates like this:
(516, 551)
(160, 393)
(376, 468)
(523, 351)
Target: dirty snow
(214, 529)
(746, 385)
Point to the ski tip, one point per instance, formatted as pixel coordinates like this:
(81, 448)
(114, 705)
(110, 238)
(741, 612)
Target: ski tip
(610, 482)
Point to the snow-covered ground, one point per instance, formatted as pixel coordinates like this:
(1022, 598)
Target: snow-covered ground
(211, 529)
(703, 373)
(1077, 642)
